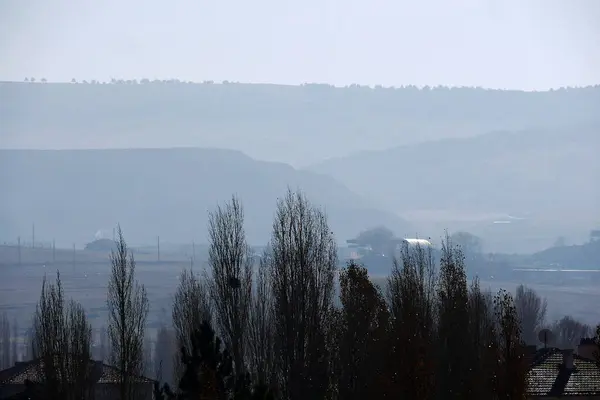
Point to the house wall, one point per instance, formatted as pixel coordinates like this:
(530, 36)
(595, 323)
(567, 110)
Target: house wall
(588, 351)
(110, 391)
(10, 390)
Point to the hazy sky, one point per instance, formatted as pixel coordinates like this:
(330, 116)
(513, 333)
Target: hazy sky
(532, 44)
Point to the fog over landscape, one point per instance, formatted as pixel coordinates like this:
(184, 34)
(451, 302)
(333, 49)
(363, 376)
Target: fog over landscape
(362, 125)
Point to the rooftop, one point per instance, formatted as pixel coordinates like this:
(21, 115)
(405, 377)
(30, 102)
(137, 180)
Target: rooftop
(31, 371)
(548, 376)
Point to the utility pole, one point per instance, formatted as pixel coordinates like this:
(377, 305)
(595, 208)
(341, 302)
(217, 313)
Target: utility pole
(193, 252)
(19, 249)
(158, 248)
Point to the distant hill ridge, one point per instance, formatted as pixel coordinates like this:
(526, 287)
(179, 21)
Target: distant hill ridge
(70, 194)
(294, 124)
(550, 175)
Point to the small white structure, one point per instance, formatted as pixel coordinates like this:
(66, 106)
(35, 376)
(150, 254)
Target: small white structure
(424, 243)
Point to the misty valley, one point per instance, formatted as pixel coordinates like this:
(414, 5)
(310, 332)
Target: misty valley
(253, 241)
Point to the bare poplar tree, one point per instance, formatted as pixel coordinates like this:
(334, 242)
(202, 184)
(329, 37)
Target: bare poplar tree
(78, 343)
(62, 339)
(128, 308)
(412, 297)
(456, 360)
(531, 309)
(191, 306)
(302, 267)
(230, 286)
(512, 366)
(482, 340)
(260, 334)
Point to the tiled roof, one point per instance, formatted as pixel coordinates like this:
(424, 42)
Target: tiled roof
(547, 377)
(30, 371)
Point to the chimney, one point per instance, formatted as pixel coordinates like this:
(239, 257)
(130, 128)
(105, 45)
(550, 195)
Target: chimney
(587, 348)
(530, 352)
(567, 358)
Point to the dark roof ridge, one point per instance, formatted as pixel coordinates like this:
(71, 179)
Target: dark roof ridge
(542, 355)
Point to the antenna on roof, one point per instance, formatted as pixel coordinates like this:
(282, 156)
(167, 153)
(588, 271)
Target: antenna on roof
(545, 336)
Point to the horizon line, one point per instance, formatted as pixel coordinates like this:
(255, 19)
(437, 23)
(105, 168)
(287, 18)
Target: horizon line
(176, 81)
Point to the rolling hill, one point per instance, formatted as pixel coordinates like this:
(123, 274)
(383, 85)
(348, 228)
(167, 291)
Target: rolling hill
(298, 125)
(71, 194)
(543, 183)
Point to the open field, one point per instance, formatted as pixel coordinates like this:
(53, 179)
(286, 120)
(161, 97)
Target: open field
(86, 282)
(10, 255)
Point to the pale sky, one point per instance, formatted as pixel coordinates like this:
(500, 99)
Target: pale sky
(534, 44)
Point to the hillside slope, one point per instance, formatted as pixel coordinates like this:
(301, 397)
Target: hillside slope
(293, 124)
(551, 177)
(71, 194)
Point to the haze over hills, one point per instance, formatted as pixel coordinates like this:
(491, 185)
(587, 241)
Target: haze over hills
(300, 125)
(70, 194)
(545, 177)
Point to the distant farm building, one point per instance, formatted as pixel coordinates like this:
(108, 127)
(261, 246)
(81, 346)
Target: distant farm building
(424, 243)
(101, 245)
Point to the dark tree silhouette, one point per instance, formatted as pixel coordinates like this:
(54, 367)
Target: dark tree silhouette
(455, 364)
(61, 340)
(302, 264)
(361, 337)
(568, 331)
(512, 367)
(209, 373)
(412, 297)
(531, 309)
(191, 307)
(230, 286)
